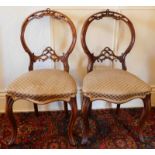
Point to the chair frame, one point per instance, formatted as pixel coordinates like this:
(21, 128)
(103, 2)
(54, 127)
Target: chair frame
(109, 54)
(47, 53)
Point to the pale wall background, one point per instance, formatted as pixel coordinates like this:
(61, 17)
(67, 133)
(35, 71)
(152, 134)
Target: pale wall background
(42, 33)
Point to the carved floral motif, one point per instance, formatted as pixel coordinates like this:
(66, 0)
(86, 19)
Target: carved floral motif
(108, 13)
(48, 12)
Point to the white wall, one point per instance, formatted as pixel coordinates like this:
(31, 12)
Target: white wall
(14, 61)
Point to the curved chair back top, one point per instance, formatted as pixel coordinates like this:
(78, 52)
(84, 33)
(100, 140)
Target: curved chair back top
(106, 53)
(48, 52)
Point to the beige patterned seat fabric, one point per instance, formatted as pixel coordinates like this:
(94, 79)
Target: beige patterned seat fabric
(114, 85)
(43, 85)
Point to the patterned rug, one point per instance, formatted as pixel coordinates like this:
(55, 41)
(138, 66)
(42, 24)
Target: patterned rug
(108, 131)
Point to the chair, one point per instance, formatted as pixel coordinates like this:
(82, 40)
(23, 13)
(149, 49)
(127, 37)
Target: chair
(43, 86)
(112, 85)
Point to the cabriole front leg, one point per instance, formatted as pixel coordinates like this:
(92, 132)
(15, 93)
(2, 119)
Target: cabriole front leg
(144, 115)
(73, 117)
(9, 113)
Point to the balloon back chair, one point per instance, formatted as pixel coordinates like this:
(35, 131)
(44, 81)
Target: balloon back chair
(112, 85)
(43, 86)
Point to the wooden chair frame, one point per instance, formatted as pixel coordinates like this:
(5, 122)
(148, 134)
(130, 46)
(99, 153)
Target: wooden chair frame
(107, 53)
(48, 53)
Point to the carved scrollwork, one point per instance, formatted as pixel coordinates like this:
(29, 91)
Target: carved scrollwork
(106, 53)
(48, 12)
(108, 13)
(48, 53)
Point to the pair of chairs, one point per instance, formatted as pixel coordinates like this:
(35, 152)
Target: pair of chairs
(47, 85)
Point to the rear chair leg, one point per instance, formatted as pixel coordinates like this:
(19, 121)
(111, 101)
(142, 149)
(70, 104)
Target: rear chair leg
(66, 108)
(90, 108)
(36, 109)
(118, 109)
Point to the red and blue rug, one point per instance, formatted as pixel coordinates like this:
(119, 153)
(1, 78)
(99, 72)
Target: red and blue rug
(108, 131)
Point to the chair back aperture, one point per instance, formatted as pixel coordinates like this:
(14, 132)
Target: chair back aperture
(107, 52)
(48, 52)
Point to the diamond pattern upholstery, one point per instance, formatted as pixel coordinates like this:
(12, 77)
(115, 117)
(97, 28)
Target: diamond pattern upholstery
(44, 84)
(114, 85)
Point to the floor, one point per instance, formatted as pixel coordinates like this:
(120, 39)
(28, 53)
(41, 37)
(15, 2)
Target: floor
(108, 131)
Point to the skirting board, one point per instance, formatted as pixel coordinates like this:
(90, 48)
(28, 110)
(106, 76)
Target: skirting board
(25, 106)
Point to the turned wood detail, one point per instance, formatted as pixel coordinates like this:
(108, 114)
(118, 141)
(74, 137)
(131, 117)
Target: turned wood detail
(106, 53)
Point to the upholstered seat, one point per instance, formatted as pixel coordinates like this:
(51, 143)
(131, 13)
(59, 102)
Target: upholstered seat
(43, 85)
(114, 85)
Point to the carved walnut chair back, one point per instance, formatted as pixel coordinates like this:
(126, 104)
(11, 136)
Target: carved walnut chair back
(102, 84)
(107, 52)
(47, 53)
